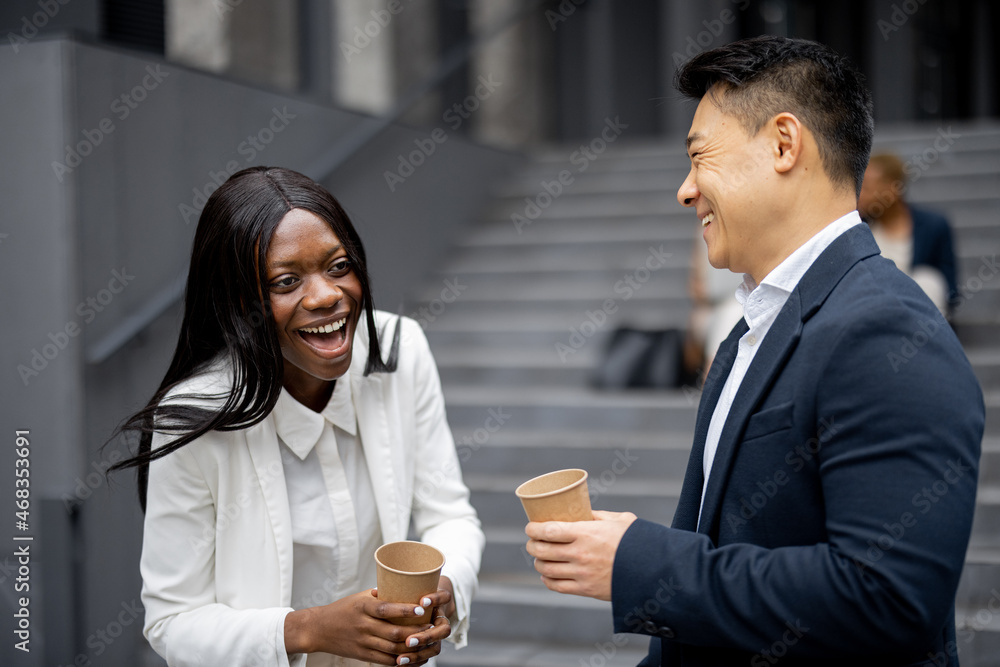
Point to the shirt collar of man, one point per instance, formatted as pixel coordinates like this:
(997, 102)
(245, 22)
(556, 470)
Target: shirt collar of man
(300, 428)
(774, 289)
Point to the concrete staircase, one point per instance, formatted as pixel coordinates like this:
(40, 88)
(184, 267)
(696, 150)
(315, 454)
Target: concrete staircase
(520, 313)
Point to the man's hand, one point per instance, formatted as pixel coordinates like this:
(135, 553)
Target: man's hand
(578, 557)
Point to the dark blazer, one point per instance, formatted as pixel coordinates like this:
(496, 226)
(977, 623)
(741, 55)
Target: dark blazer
(932, 246)
(840, 502)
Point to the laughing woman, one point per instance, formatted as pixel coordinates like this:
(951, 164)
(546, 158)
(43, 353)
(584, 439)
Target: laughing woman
(282, 449)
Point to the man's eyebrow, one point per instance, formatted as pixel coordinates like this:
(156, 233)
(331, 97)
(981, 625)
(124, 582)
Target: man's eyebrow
(693, 137)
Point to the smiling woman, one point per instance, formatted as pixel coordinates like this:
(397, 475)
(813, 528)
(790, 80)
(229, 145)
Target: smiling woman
(281, 450)
(315, 299)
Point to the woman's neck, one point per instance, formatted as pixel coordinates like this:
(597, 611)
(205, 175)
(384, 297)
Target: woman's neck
(314, 395)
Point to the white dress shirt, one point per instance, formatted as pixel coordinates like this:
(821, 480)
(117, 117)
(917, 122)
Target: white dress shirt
(335, 528)
(761, 305)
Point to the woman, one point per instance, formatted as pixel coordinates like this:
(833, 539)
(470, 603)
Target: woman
(286, 450)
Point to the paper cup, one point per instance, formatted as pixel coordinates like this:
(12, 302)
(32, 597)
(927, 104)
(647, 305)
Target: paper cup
(557, 496)
(406, 572)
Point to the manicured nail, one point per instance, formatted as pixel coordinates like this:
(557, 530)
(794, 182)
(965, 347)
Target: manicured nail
(403, 661)
(419, 611)
(426, 602)
(412, 641)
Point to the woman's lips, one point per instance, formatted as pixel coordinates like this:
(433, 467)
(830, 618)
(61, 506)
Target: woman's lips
(329, 340)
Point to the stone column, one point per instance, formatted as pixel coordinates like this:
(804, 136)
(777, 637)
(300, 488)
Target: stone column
(198, 34)
(363, 62)
(511, 108)
(254, 40)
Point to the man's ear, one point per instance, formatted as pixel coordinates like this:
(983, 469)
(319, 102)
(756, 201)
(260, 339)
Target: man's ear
(789, 138)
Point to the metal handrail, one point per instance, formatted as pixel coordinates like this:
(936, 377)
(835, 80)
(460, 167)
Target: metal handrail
(320, 170)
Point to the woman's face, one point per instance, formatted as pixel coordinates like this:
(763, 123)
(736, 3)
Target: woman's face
(315, 301)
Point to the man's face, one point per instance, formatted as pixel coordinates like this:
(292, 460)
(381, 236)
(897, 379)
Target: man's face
(728, 186)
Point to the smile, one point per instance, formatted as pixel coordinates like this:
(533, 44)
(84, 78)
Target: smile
(707, 219)
(325, 329)
(329, 340)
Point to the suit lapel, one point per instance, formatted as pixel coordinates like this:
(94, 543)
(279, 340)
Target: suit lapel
(778, 344)
(686, 515)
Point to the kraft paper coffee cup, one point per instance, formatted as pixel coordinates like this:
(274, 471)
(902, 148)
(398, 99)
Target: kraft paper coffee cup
(406, 572)
(557, 496)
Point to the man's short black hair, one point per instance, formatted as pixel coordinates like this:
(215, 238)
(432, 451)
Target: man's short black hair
(764, 76)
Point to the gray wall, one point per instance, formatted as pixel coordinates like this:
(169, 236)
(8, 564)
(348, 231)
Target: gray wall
(38, 265)
(120, 210)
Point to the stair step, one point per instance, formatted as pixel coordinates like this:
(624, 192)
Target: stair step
(589, 261)
(980, 582)
(564, 375)
(528, 279)
(526, 454)
(518, 608)
(504, 317)
(645, 285)
(499, 262)
(978, 635)
(618, 651)
(619, 228)
(555, 407)
(935, 184)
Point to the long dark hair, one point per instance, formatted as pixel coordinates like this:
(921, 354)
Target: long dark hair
(227, 311)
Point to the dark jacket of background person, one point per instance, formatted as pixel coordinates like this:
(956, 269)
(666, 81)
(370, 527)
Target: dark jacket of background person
(845, 541)
(933, 246)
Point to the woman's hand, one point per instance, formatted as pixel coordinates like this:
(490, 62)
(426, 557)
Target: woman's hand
(428, 642)
(360, 626)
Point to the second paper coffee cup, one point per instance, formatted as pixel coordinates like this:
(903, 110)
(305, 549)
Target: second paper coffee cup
(557, 496)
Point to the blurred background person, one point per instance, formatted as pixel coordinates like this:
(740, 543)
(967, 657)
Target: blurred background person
(918, 241)
(714, 310)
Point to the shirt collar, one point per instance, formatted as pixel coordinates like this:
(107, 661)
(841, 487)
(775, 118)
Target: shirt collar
(784, 278)
(300, 428)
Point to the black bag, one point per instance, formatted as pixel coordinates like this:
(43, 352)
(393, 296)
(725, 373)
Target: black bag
(642, 359)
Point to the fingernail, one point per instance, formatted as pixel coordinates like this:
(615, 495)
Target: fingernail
(419, 611)
(404, 661)
(426, 602)
(412, 641)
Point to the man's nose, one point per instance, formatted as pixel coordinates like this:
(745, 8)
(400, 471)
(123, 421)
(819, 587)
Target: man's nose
(688, 193)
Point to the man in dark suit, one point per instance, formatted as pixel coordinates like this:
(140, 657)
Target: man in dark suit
(828, 501)
(918, 241)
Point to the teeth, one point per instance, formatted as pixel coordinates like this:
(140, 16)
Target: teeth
(707, 219)
(329, 328)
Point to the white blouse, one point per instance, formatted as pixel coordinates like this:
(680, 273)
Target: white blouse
(335, 528)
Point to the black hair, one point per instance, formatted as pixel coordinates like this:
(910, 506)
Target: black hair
(763, 76)
(227, 311)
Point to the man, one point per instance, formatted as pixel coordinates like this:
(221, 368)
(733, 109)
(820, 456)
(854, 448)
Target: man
(917, 241)
(829, 496)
